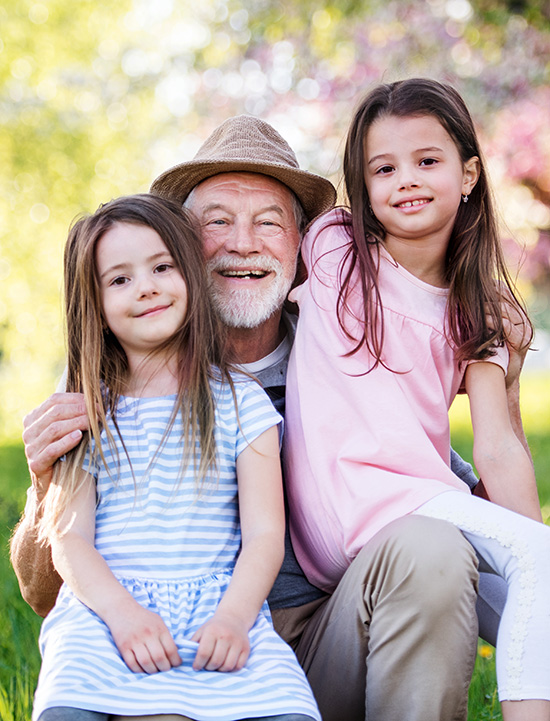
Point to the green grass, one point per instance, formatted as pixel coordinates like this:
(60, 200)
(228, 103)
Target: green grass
(483, 701)
(19, 626)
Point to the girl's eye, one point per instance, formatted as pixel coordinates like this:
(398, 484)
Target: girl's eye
(162, 267)
(384, 170)
(119, 280)
(428, 161)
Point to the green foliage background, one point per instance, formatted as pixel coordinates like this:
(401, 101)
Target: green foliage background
(96, 99)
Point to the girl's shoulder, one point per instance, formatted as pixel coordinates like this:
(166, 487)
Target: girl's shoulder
(338, 219)
(238, 386)
(330, 232)
(242, 403)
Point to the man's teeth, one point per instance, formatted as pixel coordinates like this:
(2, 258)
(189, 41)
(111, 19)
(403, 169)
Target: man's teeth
(244, 273)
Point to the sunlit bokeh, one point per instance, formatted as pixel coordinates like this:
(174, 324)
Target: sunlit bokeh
(96, 99)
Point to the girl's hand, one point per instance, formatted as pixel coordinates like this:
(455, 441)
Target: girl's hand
(223, 644)
(144, 641)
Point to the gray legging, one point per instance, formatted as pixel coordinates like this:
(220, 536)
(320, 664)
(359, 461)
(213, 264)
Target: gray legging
(63, 713)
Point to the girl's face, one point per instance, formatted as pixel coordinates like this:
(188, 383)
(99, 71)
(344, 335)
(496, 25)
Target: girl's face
(415, 178)
(143, 295)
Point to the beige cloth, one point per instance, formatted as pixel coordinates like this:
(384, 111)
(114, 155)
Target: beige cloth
(397, 639)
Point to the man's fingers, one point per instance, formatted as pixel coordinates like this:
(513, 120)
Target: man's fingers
(57, 406)
(51, 428)
(41, 457)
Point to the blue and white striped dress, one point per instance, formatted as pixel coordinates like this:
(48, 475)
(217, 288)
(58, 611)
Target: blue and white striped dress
(174, 551)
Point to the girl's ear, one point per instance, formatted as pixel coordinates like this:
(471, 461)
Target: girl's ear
(471, 175)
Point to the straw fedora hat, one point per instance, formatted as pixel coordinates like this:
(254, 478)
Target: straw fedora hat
(246, 143)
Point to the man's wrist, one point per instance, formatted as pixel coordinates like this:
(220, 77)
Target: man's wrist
(33, 506)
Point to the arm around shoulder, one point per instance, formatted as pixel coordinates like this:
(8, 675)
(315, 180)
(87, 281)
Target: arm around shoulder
(51, 430)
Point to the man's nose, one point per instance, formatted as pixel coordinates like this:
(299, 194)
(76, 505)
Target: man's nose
(243, 239)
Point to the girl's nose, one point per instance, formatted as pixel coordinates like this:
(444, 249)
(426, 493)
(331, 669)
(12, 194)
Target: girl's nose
(408, 178)
(146, 287)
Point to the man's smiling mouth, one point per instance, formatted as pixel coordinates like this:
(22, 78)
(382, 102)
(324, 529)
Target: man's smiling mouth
(244, 273)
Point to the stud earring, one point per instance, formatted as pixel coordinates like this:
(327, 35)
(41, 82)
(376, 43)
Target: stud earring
(464, 198)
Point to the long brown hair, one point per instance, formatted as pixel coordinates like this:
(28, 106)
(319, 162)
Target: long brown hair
(97, 364)
(479, 283)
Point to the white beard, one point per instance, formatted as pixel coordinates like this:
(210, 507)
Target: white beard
(249, 307)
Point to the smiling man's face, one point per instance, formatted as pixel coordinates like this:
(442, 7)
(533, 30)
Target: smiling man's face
(251, 242)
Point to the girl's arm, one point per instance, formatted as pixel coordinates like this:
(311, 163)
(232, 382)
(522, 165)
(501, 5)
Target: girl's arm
(140, 635)
(499, 456)
(223, 639)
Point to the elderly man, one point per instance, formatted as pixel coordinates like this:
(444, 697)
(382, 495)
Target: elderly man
(397, 638)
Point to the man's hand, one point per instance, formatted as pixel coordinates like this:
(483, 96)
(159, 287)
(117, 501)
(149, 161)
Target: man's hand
(51, 430)
(519, 338)
(223, 644)
(519, 334)
(144, 641)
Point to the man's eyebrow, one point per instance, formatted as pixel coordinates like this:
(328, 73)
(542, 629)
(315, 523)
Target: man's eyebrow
(271, 208)
(213, 206)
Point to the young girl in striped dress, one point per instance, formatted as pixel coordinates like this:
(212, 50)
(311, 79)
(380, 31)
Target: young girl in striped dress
(167, 524)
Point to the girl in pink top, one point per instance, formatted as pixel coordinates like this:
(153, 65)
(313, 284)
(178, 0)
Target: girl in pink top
(408, 302)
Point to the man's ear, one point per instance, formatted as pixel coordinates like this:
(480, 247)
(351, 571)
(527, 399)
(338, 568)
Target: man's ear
(471, 174)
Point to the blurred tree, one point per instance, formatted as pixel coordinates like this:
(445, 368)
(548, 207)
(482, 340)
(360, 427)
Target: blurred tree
(97, 99)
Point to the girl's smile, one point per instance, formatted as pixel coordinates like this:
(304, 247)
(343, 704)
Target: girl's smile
(413, 204)
(153, 311)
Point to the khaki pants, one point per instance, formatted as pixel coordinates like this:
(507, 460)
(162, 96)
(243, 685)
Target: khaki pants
(397, 639)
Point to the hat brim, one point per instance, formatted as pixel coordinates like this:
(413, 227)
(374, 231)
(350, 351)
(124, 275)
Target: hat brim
(315, 193)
